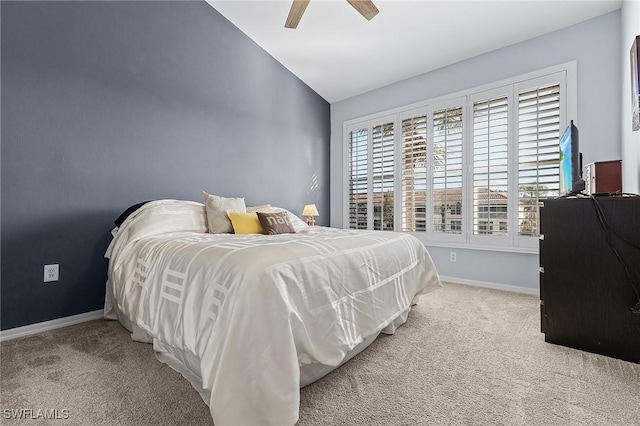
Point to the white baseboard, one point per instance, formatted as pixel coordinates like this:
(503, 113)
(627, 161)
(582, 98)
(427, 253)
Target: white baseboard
(14, 333)
(484, 284)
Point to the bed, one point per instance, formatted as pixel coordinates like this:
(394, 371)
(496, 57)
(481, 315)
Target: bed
(249, 319)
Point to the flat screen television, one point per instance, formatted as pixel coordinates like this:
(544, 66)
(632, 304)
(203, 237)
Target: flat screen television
(570, 162)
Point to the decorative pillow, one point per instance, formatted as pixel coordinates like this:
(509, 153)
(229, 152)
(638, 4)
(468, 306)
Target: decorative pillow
(245, 223)
(264, 208)
(276, 223)
(298, 224)
(216, 208)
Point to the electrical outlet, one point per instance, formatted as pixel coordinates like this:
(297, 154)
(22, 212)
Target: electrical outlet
(453, 256)
(51, 272)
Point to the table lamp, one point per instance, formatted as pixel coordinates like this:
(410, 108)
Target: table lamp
(310, 211)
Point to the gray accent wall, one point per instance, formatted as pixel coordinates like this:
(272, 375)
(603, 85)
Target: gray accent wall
(593, 44)
(106, 104)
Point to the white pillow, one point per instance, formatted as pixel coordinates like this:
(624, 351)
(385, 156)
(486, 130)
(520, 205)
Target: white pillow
(264, 208)
(298, 224)
(217, 207)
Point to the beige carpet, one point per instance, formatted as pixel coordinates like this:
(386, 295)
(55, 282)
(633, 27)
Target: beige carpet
(466, 356)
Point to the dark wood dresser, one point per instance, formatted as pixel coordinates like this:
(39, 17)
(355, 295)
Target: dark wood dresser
(586, 290)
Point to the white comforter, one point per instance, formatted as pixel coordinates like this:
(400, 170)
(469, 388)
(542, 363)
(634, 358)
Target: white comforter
(254, 308)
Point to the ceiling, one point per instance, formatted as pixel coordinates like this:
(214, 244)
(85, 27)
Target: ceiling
(339, 54)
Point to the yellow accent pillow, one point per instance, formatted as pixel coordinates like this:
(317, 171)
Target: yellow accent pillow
(245, 223)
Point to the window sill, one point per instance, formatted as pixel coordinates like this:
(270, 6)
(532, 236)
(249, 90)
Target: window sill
(470, 246)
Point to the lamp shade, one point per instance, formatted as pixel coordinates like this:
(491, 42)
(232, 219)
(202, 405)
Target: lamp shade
(310, 210)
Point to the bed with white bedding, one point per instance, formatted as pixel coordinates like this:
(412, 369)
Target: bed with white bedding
(249, 319)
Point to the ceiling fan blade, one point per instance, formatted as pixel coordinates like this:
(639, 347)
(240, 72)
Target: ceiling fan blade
(295, 14)
(365, 7)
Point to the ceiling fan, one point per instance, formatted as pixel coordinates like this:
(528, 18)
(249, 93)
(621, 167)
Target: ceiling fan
(366, 8)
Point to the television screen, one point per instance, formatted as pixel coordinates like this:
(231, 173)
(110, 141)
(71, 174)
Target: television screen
(570, 168)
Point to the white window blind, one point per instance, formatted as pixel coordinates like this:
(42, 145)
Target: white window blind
(358, 179)
(382, 176)
(490, 166)
(414, 173)
(470, 168)
(538, 136)
(447, 170)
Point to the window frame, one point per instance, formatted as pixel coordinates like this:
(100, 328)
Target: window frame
(347, 173)
(368, 124)
(563, 74)
(401, 116)
(491, 239)
(563, 80)
(455, 102)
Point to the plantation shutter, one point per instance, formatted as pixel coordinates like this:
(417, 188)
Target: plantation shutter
(490, 166)
(470, 169)
(538, 160)
(447, 171)
(414, 173)
(382, 176)
(358, 179)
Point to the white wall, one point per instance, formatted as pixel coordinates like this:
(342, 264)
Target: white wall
(630, 14)
(594, 44)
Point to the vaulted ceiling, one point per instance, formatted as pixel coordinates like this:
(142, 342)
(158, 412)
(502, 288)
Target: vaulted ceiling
(339, 54)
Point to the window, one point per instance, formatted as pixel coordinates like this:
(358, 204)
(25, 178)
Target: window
(494, 211)
(469, 168)
(371, 176)
(358, 179)
(414, 173)
(490, 160)
(538, 171)
(483, 227)
(447, 167)
(382, 176)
